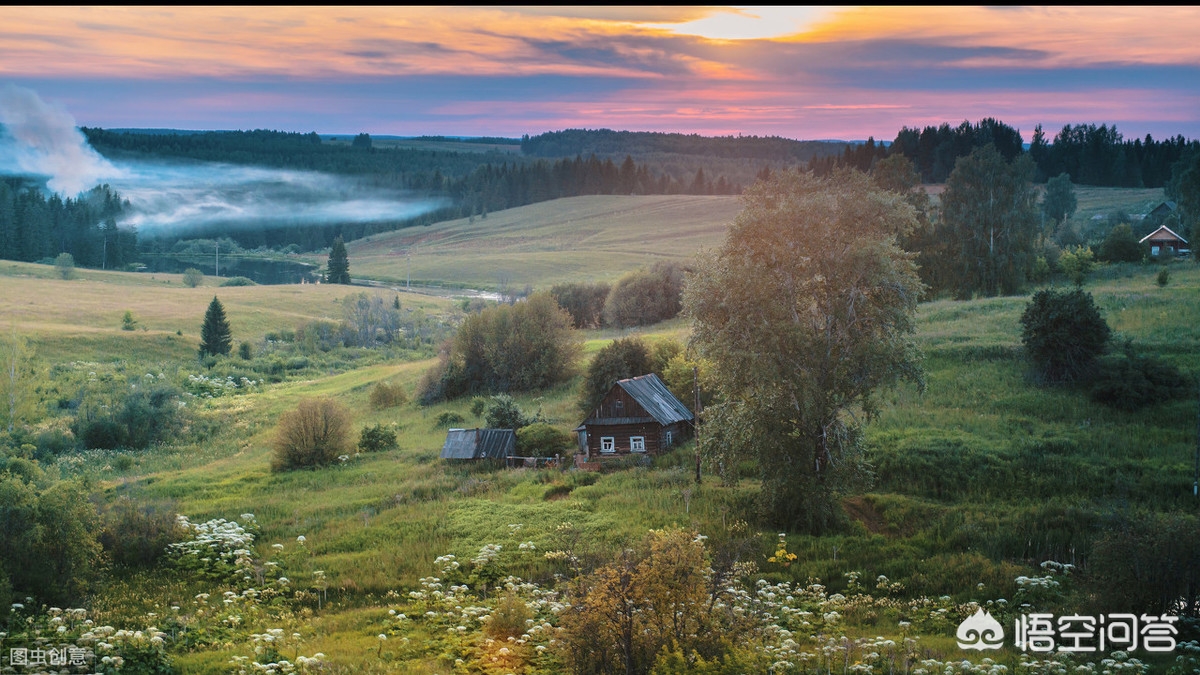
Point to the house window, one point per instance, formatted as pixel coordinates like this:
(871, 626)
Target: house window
(608, 444)
(668, 440)
(637, 443)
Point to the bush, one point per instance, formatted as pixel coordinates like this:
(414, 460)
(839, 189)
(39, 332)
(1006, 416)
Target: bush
(192, 277)
(542, 440)
(645, 297)
(1163, 278)
(134, 536)
(448, 418)
(128, 322)
(312, 435)
(376, 439)
(238, 281)
(1131, 382)
(521, 347)
(1121, 245)
(584, 302)
(509, 618)
(504, 413)
(65, 265)
(146, 415)
(1063, 334)
(387, 395)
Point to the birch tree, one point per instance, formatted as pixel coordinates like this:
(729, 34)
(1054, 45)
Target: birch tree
(805, 311)
(17, 380)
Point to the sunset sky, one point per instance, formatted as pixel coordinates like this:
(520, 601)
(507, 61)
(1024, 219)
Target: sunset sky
(821, 73)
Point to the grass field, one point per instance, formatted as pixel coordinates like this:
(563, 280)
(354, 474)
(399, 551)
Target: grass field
(979, 478)
(574, 239)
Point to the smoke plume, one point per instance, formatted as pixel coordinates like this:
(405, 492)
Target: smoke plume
(41, 140)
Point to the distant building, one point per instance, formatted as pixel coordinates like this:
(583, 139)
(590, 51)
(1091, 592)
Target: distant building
(1162, 210)
(637, 416)
(479, 444)
(1165, 242)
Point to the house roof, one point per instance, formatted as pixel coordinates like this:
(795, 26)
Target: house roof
(479, 444)
(652, 394)
(1163, 233)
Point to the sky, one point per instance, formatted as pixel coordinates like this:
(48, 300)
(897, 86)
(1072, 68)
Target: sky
(805, 73)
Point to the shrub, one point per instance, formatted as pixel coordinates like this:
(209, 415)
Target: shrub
(1063, 334)
(1131, 382)
(508, 619)
(64, 264)
(645, 297)
(504, 413)
(521, 347)
(128, 322)
(192, 277)
(387, 395)
(542, 440)
(238, 281)
(1076, 263)
(134, 536)
(1163, 278)
(376, 439)
(312, 435)
(245, 351)
(448, 418)
(584, 302)
(1121, 245)
(146, 415)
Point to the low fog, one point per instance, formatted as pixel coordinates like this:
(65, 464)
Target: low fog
(41, 141)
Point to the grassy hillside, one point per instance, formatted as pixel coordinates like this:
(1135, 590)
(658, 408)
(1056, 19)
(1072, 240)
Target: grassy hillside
(575, 239)
(979, 478)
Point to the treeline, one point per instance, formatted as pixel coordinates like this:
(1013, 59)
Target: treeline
(616, 143)
(35, 227)
(409, 168)
(491, 187)
(1089, 154)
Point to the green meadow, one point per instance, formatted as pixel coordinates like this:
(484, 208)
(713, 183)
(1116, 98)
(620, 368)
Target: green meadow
(979, 478)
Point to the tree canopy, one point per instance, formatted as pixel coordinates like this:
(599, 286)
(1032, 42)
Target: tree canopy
(989, 224)
(805, 311)
(216, 338)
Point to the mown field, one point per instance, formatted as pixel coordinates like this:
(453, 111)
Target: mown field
(595, 238)
(979, 478)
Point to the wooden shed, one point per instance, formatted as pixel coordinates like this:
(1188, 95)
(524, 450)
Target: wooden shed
(638, 415)
(467, 444)
(1165, 242)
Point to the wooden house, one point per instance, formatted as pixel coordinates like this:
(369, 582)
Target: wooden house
(637, 416)
(466, 444)
(1165, 242)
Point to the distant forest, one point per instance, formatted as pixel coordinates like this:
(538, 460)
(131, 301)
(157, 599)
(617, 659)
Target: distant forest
(1090, 154)
(552, 165)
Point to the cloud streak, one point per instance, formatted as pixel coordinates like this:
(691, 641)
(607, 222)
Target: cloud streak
(423, 70)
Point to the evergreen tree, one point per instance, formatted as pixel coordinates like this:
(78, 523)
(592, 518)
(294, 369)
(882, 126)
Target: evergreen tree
(339, 264)
(216, 338)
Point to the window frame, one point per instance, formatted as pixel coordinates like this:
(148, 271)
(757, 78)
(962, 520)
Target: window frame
(611, 442)
(635, 441)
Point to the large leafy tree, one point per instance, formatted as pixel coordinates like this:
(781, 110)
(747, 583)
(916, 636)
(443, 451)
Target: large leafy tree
(1059, 202)
(216, 337)
(339, 263)
(989, 223)
(805, 311)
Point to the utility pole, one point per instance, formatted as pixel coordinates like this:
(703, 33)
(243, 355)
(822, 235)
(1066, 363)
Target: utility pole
(696, 416)
(218, 246)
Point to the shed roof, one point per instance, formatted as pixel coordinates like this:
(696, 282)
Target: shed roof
(652, 394)
(1163, 233)
(479, 444)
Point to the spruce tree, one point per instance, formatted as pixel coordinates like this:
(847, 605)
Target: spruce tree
(216, 338)
(339, 264)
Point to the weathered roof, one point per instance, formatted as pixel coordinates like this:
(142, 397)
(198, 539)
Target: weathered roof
(1159, 235)
(479, 444)
(652, 394)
